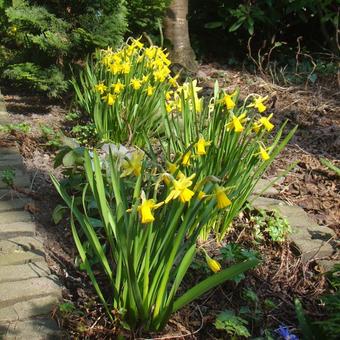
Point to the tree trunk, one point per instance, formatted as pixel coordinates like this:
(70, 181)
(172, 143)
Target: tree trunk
(176, 30)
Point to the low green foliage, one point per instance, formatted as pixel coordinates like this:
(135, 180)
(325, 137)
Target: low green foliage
(270, 224)
(8, 176)
(327, 163)
(12, 128)
(235, 326)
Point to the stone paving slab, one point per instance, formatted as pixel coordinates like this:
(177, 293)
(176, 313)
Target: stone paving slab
(27, 309)
(9, 150)
(14, 204)
(35, 329)
(264, 187)
(13, 292)
(8, 217)
(20, 250)
(10, 273)
(9, 156)
(10, 230)
(21, 181)
(310, 249)
(11, 163)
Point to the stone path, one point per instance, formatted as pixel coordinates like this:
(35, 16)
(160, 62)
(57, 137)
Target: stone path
(28, 290)
(311, 240)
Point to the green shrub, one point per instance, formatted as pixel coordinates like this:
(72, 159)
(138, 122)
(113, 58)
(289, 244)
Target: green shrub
(146, 15)
(39, 41)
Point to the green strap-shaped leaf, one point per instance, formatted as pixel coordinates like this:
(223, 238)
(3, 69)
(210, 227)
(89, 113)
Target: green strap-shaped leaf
(211, 282)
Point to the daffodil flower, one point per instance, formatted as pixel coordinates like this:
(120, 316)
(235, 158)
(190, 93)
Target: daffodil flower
(145, 209)
(258, 103)
(214, 265)
(181, 189)
(109, 99)
(263, 153)
(168, 107)
(115, 68)
(221, 198)
(118, 87)
(171, 167)
(150, 90)
(257, 126)
(265, 121)
(228, 101)
(236, 123)
(201, 195)
(173, 80)
(201, 145)
(100, 88)
(186, 159)
(136, 83)
(133, 165)
(125, 67)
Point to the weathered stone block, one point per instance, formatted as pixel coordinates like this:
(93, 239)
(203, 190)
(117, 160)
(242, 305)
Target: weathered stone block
(23, 271)
(20, 250)
(14, 216)
(28, 309)
(10, 230)
(13, 292)
(14, 204)
(37, 329)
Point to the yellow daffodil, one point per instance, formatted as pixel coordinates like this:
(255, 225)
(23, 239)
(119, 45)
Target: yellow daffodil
(133, 165)
(257, 126)
(100, 88)
(200, 146)
(168, 94)
(118, 87)
(265, 121)
(181, 189)
(161, 74)
(173, 80)
(109, 99)
(186, 159)
(258, 103)
(214, 265)
(136, 83)
(171, 167)
(201, 195)
(150, 52)
(263, 153)
(137, 43)
(228, 101)
(150, 90)
(145, 209)
(236, 123)
(145, 78)
(169, 107)
(221, 198)
(125, 67)
(115, 68)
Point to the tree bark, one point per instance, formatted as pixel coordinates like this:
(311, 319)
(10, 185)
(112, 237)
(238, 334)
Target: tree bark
(176, 30)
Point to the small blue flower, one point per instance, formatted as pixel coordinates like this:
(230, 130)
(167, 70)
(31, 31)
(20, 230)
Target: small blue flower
(284, 333)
